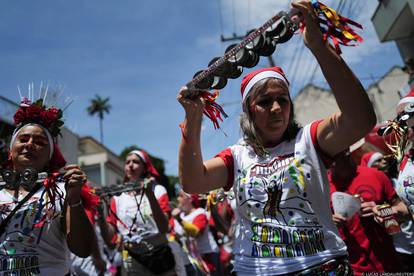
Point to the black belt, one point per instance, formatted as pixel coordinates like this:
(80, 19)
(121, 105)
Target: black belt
(338, 267)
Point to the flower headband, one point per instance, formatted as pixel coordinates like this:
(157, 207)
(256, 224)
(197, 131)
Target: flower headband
(37, 113)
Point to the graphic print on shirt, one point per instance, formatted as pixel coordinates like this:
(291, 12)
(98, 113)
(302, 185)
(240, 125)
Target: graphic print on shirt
(136, 219)
(273, 196)
(18, 255)
(406, 184)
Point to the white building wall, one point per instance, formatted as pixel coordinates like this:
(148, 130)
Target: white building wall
(314, 103)
(102, 166)
(68, 144)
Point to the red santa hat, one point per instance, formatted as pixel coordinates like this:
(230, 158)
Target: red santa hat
(409, 98)
(368, 159)
(147, 161)
(255, 76)
(195, 199)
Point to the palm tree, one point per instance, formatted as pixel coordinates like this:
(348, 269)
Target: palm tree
(99, 106)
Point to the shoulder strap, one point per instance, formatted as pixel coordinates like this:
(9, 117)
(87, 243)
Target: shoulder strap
(18, 206)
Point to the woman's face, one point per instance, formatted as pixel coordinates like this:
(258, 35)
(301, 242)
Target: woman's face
(134, 167)
(31, 149)
(271, 111)
(184, 202)
(380, 164)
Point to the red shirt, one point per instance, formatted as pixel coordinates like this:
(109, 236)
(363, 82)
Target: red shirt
(370, 248)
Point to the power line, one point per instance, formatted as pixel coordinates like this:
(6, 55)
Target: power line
(234, 16)
(220, 15)
(313, 63)
(249, 14)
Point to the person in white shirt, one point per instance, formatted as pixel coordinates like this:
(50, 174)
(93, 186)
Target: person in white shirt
(194, 221)
(41, 221)
(138, 215)
(278, 170)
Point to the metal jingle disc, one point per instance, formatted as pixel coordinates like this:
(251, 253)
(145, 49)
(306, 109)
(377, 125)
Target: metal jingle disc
(284, 38)
(268, 48)
(255, 43)
(282, 33)
(236, 71)
(277, 29)
(222, 70)
(205, 83)
(9, 176)
(239, 57)
(252, 61)
(219, 83)
(29, 176)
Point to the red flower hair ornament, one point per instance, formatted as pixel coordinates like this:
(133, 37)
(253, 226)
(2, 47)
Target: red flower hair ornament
(37, 113)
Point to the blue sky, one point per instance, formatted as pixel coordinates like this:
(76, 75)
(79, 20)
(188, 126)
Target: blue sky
(139, 53)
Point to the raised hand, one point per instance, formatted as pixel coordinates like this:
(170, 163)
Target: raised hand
(192, 105)
(75, 178)
(312, 34)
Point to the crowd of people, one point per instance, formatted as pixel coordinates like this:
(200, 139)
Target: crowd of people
(263, 206)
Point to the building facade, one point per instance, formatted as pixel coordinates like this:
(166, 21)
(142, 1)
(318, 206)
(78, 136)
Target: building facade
(102, 166)
(314, 103)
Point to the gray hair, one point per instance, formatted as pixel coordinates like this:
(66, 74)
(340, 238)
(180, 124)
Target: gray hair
(249, 130)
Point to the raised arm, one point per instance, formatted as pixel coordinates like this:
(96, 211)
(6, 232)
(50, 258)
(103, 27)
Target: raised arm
(356, 116)
(79, 231)
(195, 175)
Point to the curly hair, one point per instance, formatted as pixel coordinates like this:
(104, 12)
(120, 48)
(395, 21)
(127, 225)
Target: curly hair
(249, 130)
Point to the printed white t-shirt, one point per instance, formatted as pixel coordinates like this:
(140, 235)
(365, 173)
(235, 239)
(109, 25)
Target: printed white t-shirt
(283, 213)
(29, 250)
(404, 186)
(405, 182)
(125, 207)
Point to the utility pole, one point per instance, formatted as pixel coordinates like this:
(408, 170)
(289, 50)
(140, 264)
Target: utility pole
(239, 37)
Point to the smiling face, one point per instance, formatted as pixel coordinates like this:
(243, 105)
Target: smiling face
(134, 167)
(31, 149)
(270, 109)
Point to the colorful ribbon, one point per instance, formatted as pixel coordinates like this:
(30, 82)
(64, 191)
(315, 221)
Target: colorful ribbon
(336, 27)
(212, 109)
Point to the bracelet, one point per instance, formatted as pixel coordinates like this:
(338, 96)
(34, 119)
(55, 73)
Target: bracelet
(76, 204)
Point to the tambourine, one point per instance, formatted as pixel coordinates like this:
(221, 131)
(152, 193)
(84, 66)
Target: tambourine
(116, 190)
(262, 42)
(258, 42)
(12, 180)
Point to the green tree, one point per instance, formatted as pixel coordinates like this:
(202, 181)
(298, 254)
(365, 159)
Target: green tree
(99, 106)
